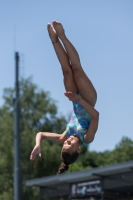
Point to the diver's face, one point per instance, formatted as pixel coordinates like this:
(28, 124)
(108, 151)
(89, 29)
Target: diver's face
(71, 144)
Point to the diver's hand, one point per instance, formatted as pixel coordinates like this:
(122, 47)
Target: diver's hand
(36, 150)
(72, 96)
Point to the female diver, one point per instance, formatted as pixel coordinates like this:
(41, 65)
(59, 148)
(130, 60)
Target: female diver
(83, 123)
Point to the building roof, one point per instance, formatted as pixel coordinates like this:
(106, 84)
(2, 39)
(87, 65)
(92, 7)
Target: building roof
(118, 179)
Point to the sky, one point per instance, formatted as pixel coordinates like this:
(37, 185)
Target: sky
(102, 33)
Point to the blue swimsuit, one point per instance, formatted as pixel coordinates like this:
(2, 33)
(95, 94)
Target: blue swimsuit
(79, 122)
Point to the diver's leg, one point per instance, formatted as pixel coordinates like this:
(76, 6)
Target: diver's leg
(69, 81)
(85, 86)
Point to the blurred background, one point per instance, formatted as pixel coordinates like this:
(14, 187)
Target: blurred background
(102, 33)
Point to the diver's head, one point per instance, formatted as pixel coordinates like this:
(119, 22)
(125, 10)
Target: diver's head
(70, 153)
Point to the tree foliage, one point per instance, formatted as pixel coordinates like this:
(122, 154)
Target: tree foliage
(38, 112)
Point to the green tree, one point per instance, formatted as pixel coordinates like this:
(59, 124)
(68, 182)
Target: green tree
(38, 113)
(122, 152)
(6, 153)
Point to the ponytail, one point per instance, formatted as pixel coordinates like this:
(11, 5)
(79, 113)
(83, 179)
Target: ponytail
(63, 167)
(67, 159)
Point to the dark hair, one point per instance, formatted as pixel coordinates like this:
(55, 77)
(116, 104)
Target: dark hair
(67, 159)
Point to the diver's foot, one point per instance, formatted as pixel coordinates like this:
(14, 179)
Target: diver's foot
(52, 34)
(59, 29)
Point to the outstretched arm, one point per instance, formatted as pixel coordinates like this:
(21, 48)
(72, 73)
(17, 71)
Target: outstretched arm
(45, 135)
(50, 136)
